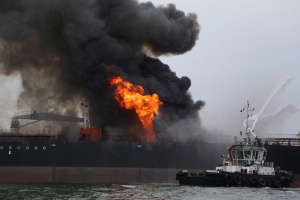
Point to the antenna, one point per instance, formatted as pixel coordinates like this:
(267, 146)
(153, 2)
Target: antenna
(249, 118)
(86, 106)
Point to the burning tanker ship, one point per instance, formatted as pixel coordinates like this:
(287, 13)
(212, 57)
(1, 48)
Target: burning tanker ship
(45, 157)
(93, 158)
(67, 50)
(144, 124)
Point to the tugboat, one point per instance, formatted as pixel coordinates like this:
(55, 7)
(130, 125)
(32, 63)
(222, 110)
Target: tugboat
(245, 165)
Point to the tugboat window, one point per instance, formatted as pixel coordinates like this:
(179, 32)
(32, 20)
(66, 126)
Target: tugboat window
(233, 155)
(247, 154)
(240, 155)
(255, 155)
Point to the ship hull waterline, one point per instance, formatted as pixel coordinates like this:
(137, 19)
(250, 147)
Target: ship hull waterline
(92, 175)
(107, 175)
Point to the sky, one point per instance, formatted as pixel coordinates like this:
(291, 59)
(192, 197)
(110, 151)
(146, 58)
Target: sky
(246, 51)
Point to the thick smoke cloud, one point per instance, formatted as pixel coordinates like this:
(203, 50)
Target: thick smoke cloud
(66, 50)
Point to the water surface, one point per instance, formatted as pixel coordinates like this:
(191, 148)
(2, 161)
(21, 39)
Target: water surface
(139, 191)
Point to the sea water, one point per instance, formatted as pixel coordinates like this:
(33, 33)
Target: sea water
(140, 191)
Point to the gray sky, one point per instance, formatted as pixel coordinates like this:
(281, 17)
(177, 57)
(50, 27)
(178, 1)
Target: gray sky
(245, 51)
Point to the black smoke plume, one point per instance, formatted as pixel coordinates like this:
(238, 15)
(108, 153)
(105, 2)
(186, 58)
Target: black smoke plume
(67, 49)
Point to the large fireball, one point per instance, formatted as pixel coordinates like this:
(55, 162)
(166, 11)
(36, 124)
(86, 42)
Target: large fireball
(133, 97)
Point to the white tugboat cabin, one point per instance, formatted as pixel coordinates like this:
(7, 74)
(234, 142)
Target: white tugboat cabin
(247, 159)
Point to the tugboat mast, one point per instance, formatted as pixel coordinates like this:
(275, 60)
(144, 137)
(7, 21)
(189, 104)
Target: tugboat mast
(248, 132)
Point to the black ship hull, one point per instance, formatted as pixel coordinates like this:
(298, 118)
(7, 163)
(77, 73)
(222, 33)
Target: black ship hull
(285, 156)
(103, 162)
(119, 162)
(110, 154)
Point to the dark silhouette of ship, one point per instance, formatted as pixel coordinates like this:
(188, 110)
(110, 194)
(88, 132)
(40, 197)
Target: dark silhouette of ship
(93, 158)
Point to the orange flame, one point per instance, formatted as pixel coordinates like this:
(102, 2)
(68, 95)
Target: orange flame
(132, 97)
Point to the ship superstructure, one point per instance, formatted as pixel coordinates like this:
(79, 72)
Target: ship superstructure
(248, 156)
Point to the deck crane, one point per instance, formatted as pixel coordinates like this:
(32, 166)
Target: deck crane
(35, 117)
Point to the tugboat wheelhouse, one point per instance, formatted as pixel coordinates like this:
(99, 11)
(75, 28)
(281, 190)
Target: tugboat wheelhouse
(244, 155)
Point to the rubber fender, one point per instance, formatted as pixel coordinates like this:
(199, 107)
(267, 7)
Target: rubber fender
(237, 180)
(277, 184)
(262, 182)
(228, 178)
(283, 180)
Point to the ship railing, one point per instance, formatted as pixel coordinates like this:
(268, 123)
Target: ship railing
(282, 141)
(7, 133)
(141, 140)
(4, 131)
(264, 164)
(266, 136)
(123, 139)
(27, 112)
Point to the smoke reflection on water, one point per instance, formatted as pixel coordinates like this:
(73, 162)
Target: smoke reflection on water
(139, 191)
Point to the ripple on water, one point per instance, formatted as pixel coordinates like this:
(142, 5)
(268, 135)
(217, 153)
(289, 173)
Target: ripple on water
(140, 191)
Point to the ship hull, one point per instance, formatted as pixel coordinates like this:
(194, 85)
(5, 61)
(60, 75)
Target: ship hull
(118, 162)
(284, 156)
(111, 154)
(103, 162)
(213, 178)
(109, 175)
(106, 175)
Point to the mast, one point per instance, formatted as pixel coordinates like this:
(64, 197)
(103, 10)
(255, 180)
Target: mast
(248, 132)
(86, 105)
